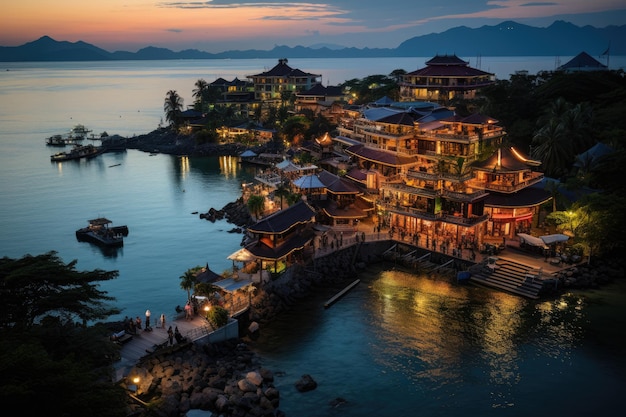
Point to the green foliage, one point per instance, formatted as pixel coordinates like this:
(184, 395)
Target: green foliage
(256, 204)
(173, 107)
(218, 316)
(371, 88)
(36, 286)
(188, 280)
(49, 364)
(206, 136)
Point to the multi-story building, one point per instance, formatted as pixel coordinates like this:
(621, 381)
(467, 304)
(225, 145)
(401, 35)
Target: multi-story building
(445, 181)
(270, 86)
(443, 78)
(327, 101)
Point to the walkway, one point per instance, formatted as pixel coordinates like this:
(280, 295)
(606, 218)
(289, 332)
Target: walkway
(514, 275)
(144, 342)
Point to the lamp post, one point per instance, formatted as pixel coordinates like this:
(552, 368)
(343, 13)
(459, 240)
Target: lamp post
(206, 311)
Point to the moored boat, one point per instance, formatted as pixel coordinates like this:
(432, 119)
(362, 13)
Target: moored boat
(60, 140)
(78, 152)
(79, 132)
(98, 231)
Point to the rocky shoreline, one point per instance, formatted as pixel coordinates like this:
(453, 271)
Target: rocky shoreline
(167, 141)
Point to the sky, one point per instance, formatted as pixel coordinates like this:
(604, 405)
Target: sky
(222, 25)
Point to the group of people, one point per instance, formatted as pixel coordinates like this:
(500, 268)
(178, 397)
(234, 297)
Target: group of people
(175, 334)
(133, 325)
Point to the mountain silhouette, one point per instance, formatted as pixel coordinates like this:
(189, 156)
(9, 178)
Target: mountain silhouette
(505, 39)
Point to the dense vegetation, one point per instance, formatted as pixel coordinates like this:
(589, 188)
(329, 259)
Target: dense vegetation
(51, 362)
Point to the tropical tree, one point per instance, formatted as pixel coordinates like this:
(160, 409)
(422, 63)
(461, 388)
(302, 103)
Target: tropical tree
(552, 149)
(173, 108)
(397, 74)
(34, 287)
(49, 364)
(256, 204)
(188, 281)
(200, 94)
(281, 191)
(206, 289)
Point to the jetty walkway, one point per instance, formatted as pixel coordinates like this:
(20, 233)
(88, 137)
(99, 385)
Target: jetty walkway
(143, 343)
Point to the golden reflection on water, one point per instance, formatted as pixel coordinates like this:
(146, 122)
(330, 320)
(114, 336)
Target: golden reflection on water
(229, 166)
(434, 329)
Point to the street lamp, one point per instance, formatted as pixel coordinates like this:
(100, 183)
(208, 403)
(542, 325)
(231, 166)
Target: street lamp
(206, 311)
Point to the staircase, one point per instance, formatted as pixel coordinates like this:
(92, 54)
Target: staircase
(510, 276)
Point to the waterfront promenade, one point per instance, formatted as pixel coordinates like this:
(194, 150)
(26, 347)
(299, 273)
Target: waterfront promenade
(145, 342)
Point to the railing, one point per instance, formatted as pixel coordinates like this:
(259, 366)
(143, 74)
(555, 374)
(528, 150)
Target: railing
(199, 332)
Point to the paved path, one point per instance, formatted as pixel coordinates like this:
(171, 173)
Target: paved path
(144, 341)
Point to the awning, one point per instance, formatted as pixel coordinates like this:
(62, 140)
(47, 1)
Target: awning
(242, 255)
(556, 238)
(532, 240)
(248, 154)
(232, 285)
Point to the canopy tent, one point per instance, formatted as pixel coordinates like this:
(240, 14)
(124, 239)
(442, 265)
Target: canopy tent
(556, 238)
(532, 240)
(248, 154)
(242, 255)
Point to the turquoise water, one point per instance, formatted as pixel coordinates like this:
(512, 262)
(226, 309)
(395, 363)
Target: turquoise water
(396, 345)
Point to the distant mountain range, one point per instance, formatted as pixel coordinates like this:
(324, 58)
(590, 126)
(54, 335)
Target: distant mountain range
(506, 39)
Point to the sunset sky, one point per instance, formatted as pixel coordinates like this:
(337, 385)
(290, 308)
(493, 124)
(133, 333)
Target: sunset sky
(220, 25)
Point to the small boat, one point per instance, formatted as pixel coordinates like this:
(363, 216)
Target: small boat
(60, 140)
(75, 135)
(79, 132)
(98, 231)
(78, 152)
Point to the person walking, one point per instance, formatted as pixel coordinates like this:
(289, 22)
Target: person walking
(162, 319)
(170, 335)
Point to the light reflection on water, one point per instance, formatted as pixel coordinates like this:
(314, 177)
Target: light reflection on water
(430, 344)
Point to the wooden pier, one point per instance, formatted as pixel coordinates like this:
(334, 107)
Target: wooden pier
(341, 293)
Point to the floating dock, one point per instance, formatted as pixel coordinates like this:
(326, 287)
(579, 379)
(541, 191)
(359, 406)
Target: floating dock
(341, 293)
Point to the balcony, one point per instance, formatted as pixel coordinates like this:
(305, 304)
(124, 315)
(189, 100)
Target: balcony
(506, 186)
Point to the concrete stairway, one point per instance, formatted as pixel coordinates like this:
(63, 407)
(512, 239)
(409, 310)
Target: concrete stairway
(509, 276)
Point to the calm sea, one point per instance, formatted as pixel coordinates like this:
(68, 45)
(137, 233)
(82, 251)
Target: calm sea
(396, 345)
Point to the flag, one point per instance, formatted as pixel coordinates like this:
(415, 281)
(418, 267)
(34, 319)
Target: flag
(608, 49)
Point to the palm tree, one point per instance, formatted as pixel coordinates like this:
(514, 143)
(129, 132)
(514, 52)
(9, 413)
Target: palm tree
(553, 148)
(188, 281)
(256, 204)
(281, 191)
(173, 107)
(200, 93)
